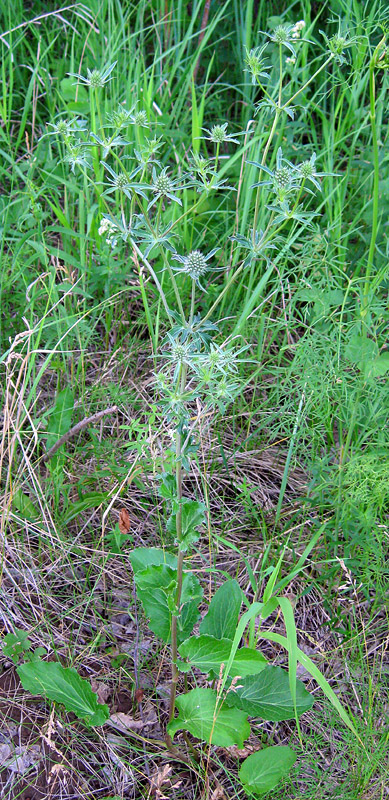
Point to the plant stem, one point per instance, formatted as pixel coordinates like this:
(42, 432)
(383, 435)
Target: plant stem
(374, 227)
(180, 560)
(312, 78)
(266, 150)
(192, 302)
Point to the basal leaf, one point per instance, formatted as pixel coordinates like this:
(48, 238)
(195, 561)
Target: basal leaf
(63, 685)
(268, 695)
(208, 653)
(198, 715)
(223, 612)
(262, 771)
(143, 557)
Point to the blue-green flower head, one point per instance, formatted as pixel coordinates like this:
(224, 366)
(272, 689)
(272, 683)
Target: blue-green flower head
(195, 264)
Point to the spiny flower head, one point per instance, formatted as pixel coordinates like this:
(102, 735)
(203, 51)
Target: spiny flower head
(307, 169)
(162, 183)
(218, 134)
(165, 186)
(65, 127)
(195, 264)
(256, 64)
(121, 117)
(95, 78)
(338, 43)
(282, 34)
(77, 155)
(140, 118)
(62, 127)
(283, 37)
(282, 177)
(121, 181)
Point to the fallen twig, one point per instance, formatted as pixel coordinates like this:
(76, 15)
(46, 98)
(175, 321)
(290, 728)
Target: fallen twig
(78, 427)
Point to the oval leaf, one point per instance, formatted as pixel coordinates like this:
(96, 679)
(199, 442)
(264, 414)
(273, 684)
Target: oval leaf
(198, 715)
(63, 685)
(157, 588)
(268, 695)
(208, 653)
(143, 557)
(223, 612)
(261, 771)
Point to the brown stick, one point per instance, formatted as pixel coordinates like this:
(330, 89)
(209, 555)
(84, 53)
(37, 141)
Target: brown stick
(204, 23)
(78, 427)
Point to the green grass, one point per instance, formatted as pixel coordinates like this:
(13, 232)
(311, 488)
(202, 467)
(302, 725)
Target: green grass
(305, 445)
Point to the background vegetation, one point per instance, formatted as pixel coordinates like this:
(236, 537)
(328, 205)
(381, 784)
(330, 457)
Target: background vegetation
(303, 451)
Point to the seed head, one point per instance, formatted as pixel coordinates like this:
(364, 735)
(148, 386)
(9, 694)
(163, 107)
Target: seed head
(95, 79)
(179, 351)
(282, 177)
(337, 44)
(281, 34)
(140, 118)
(307, 169)
(195, 264)
(62, 127)
(219, 133)
(163, 184)
(121, 181)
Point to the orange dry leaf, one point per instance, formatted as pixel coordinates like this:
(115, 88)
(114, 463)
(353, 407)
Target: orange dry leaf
(139, 695)
(124, 521)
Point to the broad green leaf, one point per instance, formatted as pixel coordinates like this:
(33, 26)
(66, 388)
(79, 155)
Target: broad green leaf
(198, 714)
(70, 88)
(223, 612)
(156, 607)
(60, 418)
(167, 487)
(192, 517)
(157, 588)
(268, 695)
(208, 653)
(361, 350)
(262, 771)
(191, 597)
(143, 557)
(63, 685)
(156, 576)
(378, 367)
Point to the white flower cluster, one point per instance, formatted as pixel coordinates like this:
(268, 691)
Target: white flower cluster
(297, 28)
(107, 229)
(290, 60)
